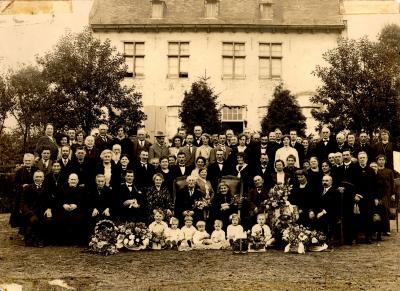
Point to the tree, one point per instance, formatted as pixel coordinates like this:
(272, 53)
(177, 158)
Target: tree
(6, 103)
(283, 112)
(84, 76)
(357, 88)
(199, 107)
(28, 90)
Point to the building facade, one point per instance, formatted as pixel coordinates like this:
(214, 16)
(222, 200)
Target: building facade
(244, 47)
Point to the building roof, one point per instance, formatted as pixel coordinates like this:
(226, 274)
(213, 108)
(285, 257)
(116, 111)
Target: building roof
(130, 14)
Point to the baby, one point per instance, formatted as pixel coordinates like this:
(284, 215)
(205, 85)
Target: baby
(174, 235)
(262, 231)
(201, 239)
(158, 228)
(218, 236)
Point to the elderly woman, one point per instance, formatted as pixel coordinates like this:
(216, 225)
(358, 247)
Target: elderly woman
(70, 212)
(223, 204)
(205, 149)
(158, 197)
(176, 145)
(109, 169)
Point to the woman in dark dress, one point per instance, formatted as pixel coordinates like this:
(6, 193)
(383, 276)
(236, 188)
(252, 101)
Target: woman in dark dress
(158, 197)
(167, 174)
(223, 204)
(124, 165)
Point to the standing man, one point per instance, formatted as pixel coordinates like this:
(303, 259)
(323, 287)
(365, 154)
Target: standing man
(103, 141)
(159, 149)
(139, 144)
(198, 131)
(190, 150)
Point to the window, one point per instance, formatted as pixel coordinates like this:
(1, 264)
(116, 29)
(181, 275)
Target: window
(270, 60)
(178, 59)
(266, 12)
(233, 57)
(157, 9)
(232, 113)
(211, 8)
(134, 58)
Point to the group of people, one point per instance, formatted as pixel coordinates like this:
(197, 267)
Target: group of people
(74, 181)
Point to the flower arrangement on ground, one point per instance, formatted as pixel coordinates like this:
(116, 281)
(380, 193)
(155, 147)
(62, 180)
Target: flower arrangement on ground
(297, 237)
(104, 239)
(133, 236)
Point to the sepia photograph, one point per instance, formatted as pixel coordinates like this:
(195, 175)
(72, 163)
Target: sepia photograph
(199, 145)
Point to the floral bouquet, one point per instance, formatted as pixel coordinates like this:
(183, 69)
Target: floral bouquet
(203, 204)
(296, 236)
(277, 197)
(104, 239)
(158, 240)
(237, 200)
(133, 236)
(256, 241)
(317, 241)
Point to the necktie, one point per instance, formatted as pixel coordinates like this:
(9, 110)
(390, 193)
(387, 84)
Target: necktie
(190, 149)
(325, 190)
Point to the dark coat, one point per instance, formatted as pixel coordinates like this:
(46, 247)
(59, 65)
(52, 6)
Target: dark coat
(46, 142)
(321, 151)
(131, 214)
(215, 173)
(183, 202)
(137, 148)
(34, 202)
(143, 176)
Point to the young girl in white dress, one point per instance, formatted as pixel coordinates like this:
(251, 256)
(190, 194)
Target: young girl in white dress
(158, 228)
(235, 230)
(188, 231)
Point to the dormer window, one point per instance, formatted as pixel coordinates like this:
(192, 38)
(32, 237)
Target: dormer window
(266, 12)
(158, 8)
(211, 8)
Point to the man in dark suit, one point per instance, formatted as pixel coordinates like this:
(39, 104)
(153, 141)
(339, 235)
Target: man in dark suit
(124, 141)
(139, 144)
(81, 167)
(181, 168)
(218, 169)
(221, 146)
(253, 204)
(103, 140)
(131, 203)
(92, 153)
(327, 209)
(189, 149)
(363, 145)
(325, 146)
(144, 172)
(298, 146)
(35, 209)
(264, 170)
(186, 197)
(198, 131)
(65, 163)
(365, 187)
(44, 164)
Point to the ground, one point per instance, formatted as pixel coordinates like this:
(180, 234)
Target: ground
(360, 267)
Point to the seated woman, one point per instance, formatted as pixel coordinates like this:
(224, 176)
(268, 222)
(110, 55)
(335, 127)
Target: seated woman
(99, 202)
(70, 213)
(158, 197)
(223, 204)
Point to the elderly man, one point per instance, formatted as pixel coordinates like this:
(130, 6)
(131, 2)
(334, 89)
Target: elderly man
(139, 144)
(35, 209)
(198, 131)
(159, 149)
(253, 204)
(325, 146)
(186, 197)
(103, 141)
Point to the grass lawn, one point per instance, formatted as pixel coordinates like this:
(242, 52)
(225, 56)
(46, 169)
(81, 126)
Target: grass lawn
(360, 267)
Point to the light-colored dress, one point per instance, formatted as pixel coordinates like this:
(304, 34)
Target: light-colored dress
(235, 232)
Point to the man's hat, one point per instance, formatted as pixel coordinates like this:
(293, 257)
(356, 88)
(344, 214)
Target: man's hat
(159, 134)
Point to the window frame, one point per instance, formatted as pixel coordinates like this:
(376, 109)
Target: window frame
(233, 57)
(270, 57)
(179, 56)
(134, 56)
